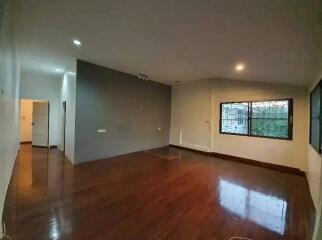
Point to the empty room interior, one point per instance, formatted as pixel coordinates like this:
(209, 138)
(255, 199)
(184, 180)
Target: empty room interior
(160, 120)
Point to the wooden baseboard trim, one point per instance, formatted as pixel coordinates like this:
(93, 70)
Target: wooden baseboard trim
(26, 142)
(51, 147)
(35, 146)
(272, 166)
(260, 164)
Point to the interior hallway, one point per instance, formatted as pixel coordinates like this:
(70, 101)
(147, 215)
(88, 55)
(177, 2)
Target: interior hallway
(160, 194)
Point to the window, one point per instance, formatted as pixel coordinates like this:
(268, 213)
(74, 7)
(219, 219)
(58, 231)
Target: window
(234, 118)
(315, 117)
(270, 119)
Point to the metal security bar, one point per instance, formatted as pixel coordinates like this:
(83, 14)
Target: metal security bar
(269, 119)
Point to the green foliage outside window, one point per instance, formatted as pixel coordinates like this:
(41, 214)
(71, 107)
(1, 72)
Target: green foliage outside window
(266, 119)
(270, 119)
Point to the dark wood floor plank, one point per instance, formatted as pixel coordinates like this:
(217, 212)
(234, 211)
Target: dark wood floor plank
(163, 193)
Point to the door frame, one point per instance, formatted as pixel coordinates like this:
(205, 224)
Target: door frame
(48, 130)
(64, 104)
(48, 124)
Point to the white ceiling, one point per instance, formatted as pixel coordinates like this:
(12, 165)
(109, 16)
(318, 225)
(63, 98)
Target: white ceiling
(175, 40)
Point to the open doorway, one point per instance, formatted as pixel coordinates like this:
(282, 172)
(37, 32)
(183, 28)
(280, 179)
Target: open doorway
(34, 122)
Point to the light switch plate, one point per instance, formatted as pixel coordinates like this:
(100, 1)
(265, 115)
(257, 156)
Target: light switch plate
(101, 130)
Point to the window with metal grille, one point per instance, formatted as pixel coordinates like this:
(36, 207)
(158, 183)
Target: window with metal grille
(270, 119)
(315, 117)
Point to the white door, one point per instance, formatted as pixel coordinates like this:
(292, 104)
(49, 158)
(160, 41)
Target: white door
(40, 123)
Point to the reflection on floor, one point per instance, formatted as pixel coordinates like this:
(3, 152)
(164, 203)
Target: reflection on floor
(265, 210)
(160, 194)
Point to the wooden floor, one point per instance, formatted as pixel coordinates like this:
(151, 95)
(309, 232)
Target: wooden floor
(163, 194)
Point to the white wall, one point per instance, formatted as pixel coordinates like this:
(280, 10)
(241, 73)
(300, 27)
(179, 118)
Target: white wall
(56, 90)
(191, 110)
(38, 86)
(68, 94)
(190, 115)
(9, 101)
(26, 120)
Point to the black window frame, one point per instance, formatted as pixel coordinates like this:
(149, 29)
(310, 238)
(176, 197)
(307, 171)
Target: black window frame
(249, 134)
(319, 88)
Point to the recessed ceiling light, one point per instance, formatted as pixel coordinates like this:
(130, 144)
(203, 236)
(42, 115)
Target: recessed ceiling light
(240, 67)
(59, 70)
(77, 42)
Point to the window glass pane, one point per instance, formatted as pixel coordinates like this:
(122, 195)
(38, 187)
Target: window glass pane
(270, 128)
(315, 137)
(270, 119)
(234, 118)
(316, 124)
(270, 109)
(315, 100)
(267, 118)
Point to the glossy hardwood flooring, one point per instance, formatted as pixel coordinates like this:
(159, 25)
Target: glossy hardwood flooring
(160, 194)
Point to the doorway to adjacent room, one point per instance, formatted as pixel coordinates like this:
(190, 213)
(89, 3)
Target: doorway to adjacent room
(34, 122)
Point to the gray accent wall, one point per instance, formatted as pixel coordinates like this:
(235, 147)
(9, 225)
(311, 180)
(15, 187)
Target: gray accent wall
(135, 113)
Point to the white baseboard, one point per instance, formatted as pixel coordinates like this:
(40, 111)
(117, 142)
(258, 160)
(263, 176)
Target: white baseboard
(194, 146)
